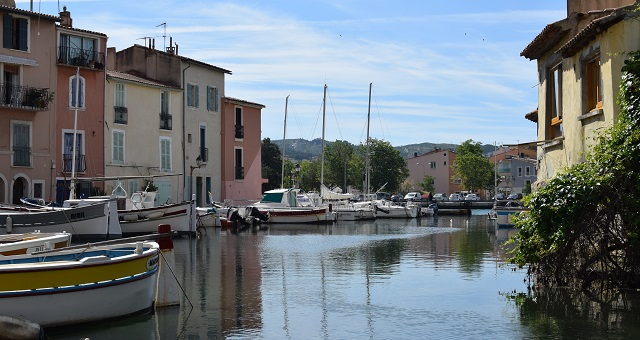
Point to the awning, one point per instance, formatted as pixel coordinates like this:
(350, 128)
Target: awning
(16, 60)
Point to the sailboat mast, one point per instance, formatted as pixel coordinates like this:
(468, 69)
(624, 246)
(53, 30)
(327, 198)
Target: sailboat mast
(367, 181)
(324, 110)
(72, 187)
(284, 139)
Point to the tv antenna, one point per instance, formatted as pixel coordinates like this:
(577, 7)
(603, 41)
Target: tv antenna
(164, 34)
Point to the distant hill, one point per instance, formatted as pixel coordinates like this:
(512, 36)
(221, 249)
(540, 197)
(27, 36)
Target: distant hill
(301, 149)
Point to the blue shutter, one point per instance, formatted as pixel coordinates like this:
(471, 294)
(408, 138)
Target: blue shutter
(73, 92)
(22, 34)
(209, 98)
(215, 99)
(7, 31)
(188, 94)
(197, 97)
(81, 93)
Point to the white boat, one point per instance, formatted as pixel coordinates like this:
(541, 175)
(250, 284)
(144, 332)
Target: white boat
(388, 209)
(88, 221)
(291, 206)
(80, 284)
(429, 210)
(18, 244)
(504, 214)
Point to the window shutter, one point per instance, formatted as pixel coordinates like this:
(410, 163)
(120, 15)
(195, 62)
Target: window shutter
(188, 94)
(22, 34)
(215, 99)
(209, 98)
(81, 94)
(197, 97)
(7, 31)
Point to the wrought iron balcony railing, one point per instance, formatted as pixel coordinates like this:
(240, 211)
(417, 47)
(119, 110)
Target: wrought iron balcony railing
(80, 162)
(239, 131)
(165, 121)
(204, 154)
(239, 172)
(79, 57)
(121, 114)
(24, 97)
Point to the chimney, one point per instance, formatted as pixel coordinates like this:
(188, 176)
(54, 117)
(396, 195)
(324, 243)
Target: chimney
(111, 58)
(66, 18)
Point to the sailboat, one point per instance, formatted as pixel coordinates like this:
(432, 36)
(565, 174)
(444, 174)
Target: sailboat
(290, 205)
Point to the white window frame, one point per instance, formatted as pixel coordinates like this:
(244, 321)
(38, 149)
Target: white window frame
(82, 93)
(162, 156)
(30, 124)
(192, 95)
(33, 188)
(120, 91)
(519, 171)
(527, 171)
(113, 146)
(213, 99)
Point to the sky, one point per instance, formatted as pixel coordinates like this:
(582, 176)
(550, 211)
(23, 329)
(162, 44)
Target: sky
(441, 71)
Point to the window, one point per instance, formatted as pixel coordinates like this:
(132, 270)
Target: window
(432, 164)
(15, 33)
(165, 154)
(21, 143)
(38, 189)
(519, 171)
(73, 91)
(119, 105)
(527, 171)
(68, 151)
(204, 151)
(117, 146)
(77, 50)
(593, 85)
(239, 169)
(212, 98)
(445, 163)
(554, 102)
(239, 133)
(192, 95)
(164, 102)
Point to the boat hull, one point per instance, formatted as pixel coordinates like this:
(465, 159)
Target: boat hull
(20, 244)
(88, 221)
(176, 215)
(293, 215)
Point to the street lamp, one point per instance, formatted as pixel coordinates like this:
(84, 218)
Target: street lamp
(191, 168)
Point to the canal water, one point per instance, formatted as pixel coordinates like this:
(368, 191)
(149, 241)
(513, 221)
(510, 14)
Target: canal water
(431, 278)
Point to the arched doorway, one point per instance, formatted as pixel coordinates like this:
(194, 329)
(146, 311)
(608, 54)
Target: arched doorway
(3, 190)
(20, 189)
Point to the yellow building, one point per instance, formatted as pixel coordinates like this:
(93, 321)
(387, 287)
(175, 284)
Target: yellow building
(579, 69)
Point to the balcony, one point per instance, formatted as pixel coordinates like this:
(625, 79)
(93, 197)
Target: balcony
(21, 156)
(239, 131)
(165, 121)
(239, 172)
(121, 114)
(25, 98)
(80, 163)
(204, 154)
(78, 57)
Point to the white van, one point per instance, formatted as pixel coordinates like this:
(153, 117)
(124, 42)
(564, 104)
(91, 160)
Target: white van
(413, 196)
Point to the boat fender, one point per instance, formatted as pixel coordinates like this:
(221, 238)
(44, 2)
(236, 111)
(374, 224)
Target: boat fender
(9, 223)
(165, 243)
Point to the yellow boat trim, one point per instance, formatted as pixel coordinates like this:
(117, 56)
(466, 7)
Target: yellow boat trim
(70, 273)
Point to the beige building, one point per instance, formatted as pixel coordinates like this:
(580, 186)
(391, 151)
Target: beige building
(579, 62)
(27, 111)
(143, 134)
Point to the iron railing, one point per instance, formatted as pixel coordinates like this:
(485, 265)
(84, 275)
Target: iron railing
(165, 121)
(239, 172)
(74, 56)
(204, 154)
(25, 97)
(239, 131)
(21, 156)
(121, 114)
(81, 165)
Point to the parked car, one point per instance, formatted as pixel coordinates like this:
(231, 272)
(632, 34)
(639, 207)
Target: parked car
(413, 196)
(396, 198)
(514, 196)
(440, 197)
(455, 197)
(472, 197)
(499, 196)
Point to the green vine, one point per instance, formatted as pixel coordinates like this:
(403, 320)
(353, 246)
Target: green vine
(583, 227)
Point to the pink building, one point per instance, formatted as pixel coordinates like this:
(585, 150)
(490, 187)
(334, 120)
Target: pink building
(79, 52)
(437, 164)
(27, 113)
(241, 162)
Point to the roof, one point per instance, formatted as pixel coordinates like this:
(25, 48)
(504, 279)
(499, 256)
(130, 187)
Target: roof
(243, 102)
(138, 79)
(30, 13)
(532, 116)
(595, 27)
(182, 58)
(80, 30)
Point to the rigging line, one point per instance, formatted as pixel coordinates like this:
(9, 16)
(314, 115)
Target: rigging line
(313, 133)
(335, 116)
(379, 116)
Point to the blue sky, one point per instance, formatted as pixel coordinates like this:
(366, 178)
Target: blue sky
(442, 71)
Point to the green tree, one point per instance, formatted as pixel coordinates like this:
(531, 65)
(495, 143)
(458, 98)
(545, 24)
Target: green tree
(471, 167)
(386, 165)
(310, 175)
(271, 164)
(426, 184)
(336, 163)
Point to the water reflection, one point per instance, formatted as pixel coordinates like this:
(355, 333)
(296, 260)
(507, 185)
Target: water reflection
(442, 277)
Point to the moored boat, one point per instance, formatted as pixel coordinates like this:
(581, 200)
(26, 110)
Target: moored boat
(504, 214)
(80, 284)
(18, 244)
(291, 206)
